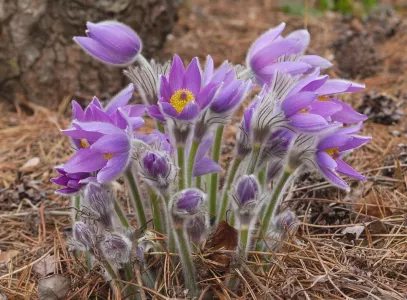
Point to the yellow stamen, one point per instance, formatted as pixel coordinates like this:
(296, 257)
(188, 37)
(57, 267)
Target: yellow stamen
(304, 110)
(84, 143)
(332, 151)
(181, 98)
(108, 156)
(323, 98)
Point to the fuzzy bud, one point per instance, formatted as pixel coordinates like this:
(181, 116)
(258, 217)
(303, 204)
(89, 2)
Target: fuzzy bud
(285, 221)
(283, 225)
(247, 197)
(82, 235)
(101, 202)
(117, 248)
(196, 228)
(186, 203)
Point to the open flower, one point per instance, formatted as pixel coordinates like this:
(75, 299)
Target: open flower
(71, 181)
(203, 164)
(182, 95)
(329, 154)
(111, 42)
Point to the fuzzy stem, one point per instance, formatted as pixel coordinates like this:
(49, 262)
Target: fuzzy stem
(181, 166)
(160, 126)
(262, 178)
(245, 73)
(129, 275)
(213, 185)
(253, 159)
(225, 197)
(243, 240)
(109, 269)
(186, 260)
(121, 215)
(198, 182)
(272, 205)
(191, 161)
(77, 204)
(158, 213)
(135, 196)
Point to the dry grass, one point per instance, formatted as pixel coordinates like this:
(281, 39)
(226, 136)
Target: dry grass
(318, 263)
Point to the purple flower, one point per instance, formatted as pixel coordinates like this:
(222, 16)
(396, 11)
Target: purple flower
(205, 165)
(182, 95)
(330, 149)
(197, 227)
(71, 181)
(262, 57)
(187, 202)
(247, 190)
(110, 42)
(117, 248)
(82, 235)
(106, 148)
(100, 200)
(155, 164)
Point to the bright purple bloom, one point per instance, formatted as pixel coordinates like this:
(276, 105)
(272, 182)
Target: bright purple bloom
(203, 164)
(328, 157)
(247, 190)
(182, 94)
(155, 164)
(188, 202)
(262, 57)
(110, 42)
(71, 181)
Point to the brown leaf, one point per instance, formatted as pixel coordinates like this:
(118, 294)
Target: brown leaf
(225, 238)
(54, 287)
(45, 266)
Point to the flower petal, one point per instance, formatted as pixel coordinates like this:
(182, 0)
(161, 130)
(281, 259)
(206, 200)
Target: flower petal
(85, 160)
(192, 78)
(302, 38)
(334, 141)
(114, 168)
(334, 86)
(308, 122)
(208, 71)
(168, 109)
(190, 111)
(154, 112)
(316, 61)
(333, 178)
(270, 53)
(99, 127)
(118, 143)
(325, 160)
(206, 166)
(206, 95)
(347, 170)
(165, 89)
(121, 99)
(203, 147)
(77, 111)
(347, 114)
(355, 142)
(325, 108)
(293, 104)
(177, 72)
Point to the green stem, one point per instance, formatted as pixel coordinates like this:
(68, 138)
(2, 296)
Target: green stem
(272, 205)
(129, 274)
(198, 182)
(158, 213)
(109, 269)
(191, 161)
(181, 166)
(160, 126)
(135, 196)
(213, 185)
(225, 196)
(253, 159)
(77, 205)
(262, 178)
(186, 260)
(243, 239)
(121, 215)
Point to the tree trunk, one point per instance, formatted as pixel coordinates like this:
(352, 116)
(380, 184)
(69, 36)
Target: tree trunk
(39, 62)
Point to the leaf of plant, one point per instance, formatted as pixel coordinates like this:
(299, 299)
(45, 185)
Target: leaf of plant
(225, 237)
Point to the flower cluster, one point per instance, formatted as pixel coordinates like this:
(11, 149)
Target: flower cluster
(295, 122)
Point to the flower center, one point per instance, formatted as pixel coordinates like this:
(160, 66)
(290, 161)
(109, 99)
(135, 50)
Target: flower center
(84, 143)
(181, 98)
(332, 151)
(323, 98)
(304, 110)
(108, 156)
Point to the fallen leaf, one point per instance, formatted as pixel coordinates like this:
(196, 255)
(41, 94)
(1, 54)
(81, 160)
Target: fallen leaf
(225, 238)
(30, 165)
(54, 287)
(6, 256)
(45, 266)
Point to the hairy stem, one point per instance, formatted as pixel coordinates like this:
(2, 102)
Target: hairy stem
(158, 212)
(253, 159)
(191, 161)
(225, 196)
(135, 196)
(213, 185)
(181, 166)
(243, 240)
(160, 126)
(77, 205)
(272, 205)
(121, 215)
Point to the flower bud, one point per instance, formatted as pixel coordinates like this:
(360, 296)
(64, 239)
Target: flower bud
(185, 204)
(285, 221)
(196, 228)
(274, 169)
(154, 164)
(283, 225)
(110, 42)
(82, 235)
(117, 248)
(247, 197)
(101, 202)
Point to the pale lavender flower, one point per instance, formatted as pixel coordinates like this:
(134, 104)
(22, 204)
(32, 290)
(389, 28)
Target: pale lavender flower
(187, 202)
(203, 164)
(110, 42)
(247, 196)
(82, 235)
(100, 200)
(117, 248)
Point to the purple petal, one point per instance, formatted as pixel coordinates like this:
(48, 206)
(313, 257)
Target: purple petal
(177, 72)
(85, 160)
(190, 111)
(325, 160)
(77, 111)
(354, 143)
(206, 166)
(270, 53)
(165, 89)
(333, 178)
(98, 115)
(325, 108)
(355, 87)
(350, 129)
(206, 95)
(347, 170)
(77, 133)
(136, 110)
(61, 180)
(315, 84)
(203, 147)
(136, 123)
(95, 101)
(263, 40)
(100, 127)
(66, 191)
(308, 122)
(304, 82)
(208, 71)
(121, 99)
(121, 119)
(223, 99)
(114, 168)
(293, 104)
(264, 75)
(347, 114)
(334, 86)
(112, 144)
(333, 141)
(168, 109)
(192, 78)
(220, 73)
(154, 112)
(316, 61)
(302, 38)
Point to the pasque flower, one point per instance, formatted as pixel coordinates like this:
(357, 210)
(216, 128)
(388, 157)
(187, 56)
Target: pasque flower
(328, 156)
(111, 42)
(71, 181)
(247, 196)
(187, 202)
(203, 164)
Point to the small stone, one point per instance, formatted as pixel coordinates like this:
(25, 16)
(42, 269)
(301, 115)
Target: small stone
(395, 133)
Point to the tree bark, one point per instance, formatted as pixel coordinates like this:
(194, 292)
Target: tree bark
(40, 62)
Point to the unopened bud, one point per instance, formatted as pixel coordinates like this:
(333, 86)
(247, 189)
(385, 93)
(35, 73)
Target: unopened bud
(196, 228)
(101, 202)
(185, 204)
(285, 221)
(116, 247)
(247, 198)
(82, 235)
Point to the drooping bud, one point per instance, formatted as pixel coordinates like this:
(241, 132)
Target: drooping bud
(247, 197)
(197, 227)
(285, 221)
(117, 248)
(157, 170)
(110, 42)
(282, 227)
(82, 235)
(185, 204)
(100, 201)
